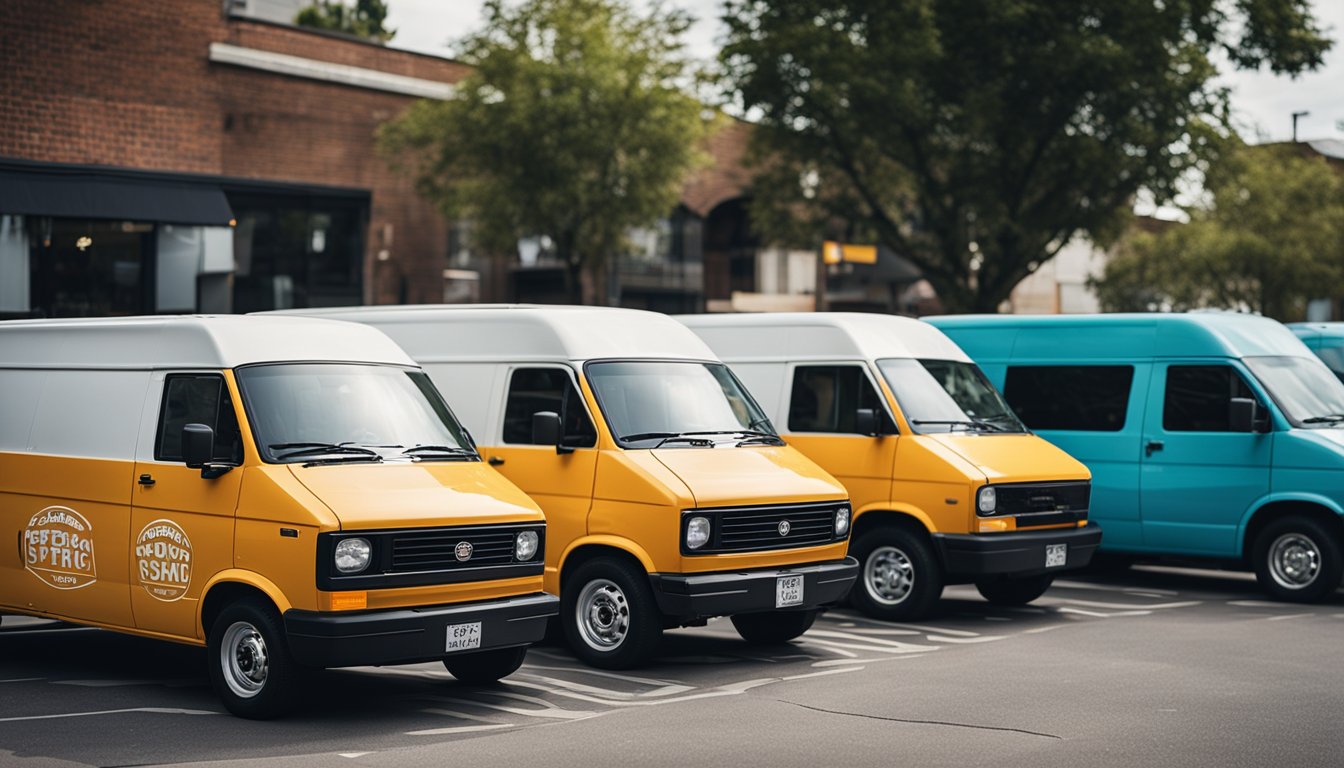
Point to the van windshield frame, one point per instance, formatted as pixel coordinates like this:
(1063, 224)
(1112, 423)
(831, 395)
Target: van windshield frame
(921, 390)
(369, 412)
(1310, 397)
(749, 427)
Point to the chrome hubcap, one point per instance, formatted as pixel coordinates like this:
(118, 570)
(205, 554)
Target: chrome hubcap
(888, 575)
(1294, 561)
(244, 659)
(603, 615)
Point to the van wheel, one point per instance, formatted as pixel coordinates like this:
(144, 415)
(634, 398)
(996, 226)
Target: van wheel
(1298, 560)
(486, 666)
(1014, 590)
(610, 616)
(899, 576)
(773, 628)
(250, 665)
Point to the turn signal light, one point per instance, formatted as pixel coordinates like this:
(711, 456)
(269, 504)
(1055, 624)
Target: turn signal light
(1000, 524)
(348, 601)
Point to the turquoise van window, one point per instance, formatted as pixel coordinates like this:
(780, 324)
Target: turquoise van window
(1198, 397)
(1084, 398)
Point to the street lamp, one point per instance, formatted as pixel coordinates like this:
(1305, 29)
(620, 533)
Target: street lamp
(1296, 115)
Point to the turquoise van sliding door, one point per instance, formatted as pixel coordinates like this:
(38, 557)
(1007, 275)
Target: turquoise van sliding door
(1198, 476)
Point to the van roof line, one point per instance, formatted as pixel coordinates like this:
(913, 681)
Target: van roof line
(794, 336)
(189, 341)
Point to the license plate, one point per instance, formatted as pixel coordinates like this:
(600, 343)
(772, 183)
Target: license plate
(462, 637)
(1056, 555)
(788, 591)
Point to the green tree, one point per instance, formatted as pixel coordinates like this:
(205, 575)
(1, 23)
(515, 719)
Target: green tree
(575, 124)
(976, 137)
(1269, 238)
(364, 19)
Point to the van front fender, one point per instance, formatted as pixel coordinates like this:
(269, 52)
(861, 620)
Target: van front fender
(607, 540)
(890, 507)
(247, 578)
(1295, 497)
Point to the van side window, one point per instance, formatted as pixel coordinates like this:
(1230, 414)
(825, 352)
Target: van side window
(197, 399)
(826, 398)
(1091, 398)
(546, 389)
(1197, 397)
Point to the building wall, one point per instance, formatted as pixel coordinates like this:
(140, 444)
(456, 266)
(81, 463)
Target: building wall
(130, 84)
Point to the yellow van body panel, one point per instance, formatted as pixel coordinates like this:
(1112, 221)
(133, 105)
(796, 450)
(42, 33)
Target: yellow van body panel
(441, 594)
(249, 578)
(602, 540)
(760, 474)
(1014, 458)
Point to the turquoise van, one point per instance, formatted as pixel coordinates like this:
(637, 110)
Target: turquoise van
(1326, 340)
(1212, 436)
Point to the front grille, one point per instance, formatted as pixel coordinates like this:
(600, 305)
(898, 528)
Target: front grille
(1043, 503)
(437, 551)
(755, 529)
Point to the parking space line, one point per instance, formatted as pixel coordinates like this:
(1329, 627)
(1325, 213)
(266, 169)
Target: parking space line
(147, 710)
(1099, 615)
(1157, 607)
(459, 729)
(871, 641)
(442, 712)
(1289, 616)
(1069, 584)
(664, 687)
(22, 679)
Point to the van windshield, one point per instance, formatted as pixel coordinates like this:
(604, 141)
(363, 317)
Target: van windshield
(681, 404)
(344, 412)
(947, 396)
(1304, 388)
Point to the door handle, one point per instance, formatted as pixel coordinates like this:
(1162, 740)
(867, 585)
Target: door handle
(495, 461)
(146, 480)
(1152, 446)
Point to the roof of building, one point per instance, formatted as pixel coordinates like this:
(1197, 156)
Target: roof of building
(434, 333)
(189, 341)
(1120, 335)
(821, 335)
(1329, 147)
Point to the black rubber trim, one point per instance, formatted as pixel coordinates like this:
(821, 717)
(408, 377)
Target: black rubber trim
(410, 635)
(1015, 552)
(689, 596)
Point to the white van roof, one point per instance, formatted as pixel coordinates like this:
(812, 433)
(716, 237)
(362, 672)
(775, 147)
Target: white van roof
(189, 341)
(792, 336)
(438, 333)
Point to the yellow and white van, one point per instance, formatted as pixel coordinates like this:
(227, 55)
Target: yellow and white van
(947, 484)
(287, 492)
(669, 498)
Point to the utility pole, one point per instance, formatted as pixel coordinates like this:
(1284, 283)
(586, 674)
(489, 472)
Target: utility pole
(1296, 115)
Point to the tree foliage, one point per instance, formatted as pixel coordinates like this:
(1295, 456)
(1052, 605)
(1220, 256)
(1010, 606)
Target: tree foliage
(575, 125)
(976, 137)
(1270, 239)
(364, 19)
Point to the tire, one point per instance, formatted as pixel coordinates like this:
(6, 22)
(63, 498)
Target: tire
(485, 667)
(1298, 560)
(243, 632)
(899, 576)
(610, 617)
(774, 628)
(1014, 590)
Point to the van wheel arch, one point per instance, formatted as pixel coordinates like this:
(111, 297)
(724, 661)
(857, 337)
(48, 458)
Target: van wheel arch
(878, 518)
(225, 594)
(1279, 510)
(587, 552)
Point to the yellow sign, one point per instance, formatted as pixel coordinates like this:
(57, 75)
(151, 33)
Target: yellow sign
(834, 253)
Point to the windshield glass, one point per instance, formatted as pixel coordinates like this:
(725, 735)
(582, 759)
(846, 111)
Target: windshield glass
(307, 412)
(647, 402)
(947, 396)
(1307, 392)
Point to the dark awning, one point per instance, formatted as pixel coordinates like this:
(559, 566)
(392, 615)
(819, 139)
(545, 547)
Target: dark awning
(95, 193)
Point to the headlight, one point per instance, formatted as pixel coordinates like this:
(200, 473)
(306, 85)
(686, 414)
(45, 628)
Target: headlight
(353, 555)
(987, 500)
(525, 546)
(842, 521)
(697, 532)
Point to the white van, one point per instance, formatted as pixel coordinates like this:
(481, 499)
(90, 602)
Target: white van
(287, 492)
(669, 498)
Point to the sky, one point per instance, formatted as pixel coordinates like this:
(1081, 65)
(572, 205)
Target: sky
(1263, 104)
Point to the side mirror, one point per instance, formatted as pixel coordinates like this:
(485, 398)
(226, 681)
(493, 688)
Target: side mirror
(1245, 415)
(546, 430)
(868, 422)
(198, 445)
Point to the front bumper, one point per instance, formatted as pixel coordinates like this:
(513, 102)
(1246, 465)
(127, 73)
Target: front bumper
(409, 635)
(1021, 553)
(702, 595)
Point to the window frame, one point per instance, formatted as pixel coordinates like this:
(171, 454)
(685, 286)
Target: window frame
(578, 393)
(161, 424)
(1166, 388)
(887, 418)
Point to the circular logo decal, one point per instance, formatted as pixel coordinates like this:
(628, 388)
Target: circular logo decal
(163, 560)
(58, 548)
(784, 527)
(463, 551)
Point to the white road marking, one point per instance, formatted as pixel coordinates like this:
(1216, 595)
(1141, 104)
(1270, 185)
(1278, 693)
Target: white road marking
(1254, 604)
(1096, 614)
(880, 631)
(731, 689)
(1127, 606)
(548, 711)
(1289, 616)
(459, 715)
(458, 729)
(870, 640)
(1067, 584)
(148, 710)
(940, 630)
(353, 754)
(664, 687)
(1039, 630)
(22, 679)
(832, 644)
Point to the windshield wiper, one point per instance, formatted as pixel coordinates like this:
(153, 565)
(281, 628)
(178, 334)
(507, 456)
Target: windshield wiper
(749, 435)
(648, 436)
(315, 449)
(449, 451)
(976, 423)
(1332, 418)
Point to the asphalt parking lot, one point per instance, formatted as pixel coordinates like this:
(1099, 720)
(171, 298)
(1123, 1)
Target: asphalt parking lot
(1154, 666)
